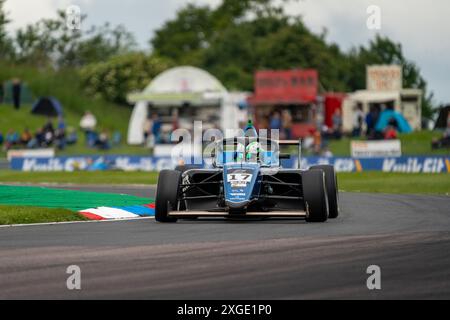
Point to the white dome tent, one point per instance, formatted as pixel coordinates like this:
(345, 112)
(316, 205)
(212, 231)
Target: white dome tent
(192, 92)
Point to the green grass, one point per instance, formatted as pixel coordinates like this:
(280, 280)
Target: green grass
(25, 214)
(20, 119)
(387, 182)
(415, 143)
(80, 177)
(64, 85)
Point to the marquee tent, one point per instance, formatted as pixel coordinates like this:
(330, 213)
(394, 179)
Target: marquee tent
(174, 88)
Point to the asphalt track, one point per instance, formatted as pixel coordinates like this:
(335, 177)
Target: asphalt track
(407, 236)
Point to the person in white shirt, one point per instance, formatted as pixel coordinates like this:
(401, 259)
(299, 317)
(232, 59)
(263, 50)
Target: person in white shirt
(88, 122)
(358, 119)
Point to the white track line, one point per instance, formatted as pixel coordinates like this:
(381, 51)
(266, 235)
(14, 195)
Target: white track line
(72, 222)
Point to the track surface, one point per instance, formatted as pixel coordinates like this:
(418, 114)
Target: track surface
(407, 236)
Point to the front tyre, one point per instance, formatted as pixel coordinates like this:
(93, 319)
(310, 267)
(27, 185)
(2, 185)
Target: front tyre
(315, 195)
(167, 195)
(332, 189)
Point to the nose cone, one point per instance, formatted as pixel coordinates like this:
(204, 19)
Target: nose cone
(239, 181)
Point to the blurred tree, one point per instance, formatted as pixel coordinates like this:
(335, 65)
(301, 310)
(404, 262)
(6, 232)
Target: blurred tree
(239, 37)
(114, 78)
(49, 41)
(6, 47)
(184, 38)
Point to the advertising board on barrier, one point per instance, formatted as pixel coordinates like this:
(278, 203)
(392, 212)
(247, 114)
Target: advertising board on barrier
(425, 164)
(32, 153)
(376, 148)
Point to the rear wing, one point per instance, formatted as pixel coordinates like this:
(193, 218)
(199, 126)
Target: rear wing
(293, 143)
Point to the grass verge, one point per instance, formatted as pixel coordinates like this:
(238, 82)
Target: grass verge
(25, 215)
(388, 182)
(80, 177)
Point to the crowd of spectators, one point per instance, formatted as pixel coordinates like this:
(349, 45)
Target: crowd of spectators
(444, 141)
(58, 135)
(46, 136)
(94, 138)
(370, 120)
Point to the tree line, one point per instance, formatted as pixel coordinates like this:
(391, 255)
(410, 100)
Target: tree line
(231, 41)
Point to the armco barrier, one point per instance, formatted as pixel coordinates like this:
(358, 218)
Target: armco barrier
(426, 164)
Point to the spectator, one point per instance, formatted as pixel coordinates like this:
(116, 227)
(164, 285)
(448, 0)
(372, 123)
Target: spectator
(103, 141)
(116, 138)
(11, 139)
(156, 128)
(275, 122)
(61, 123)
(391, 130)
(16, 90)
(317, 142)
(72, 137)
(25, 137)
(443, 142)
(287, 124)
(147, 130)
(60, 134)
(327, 153)
(49, 132)
(48, 127)
(88, 122)
(1, 138)
(337, 124)
(38, 139)
(371, 121)
(358, 119)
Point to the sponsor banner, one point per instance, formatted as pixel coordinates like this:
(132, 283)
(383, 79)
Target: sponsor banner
(384, 78)
(47, 152)
(412, 164)
(425, 164)
(92, 163)
(376, 149)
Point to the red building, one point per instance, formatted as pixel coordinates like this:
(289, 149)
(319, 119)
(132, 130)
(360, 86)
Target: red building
(331, 102)
(292, 90)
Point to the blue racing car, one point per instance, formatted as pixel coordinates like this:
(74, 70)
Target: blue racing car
(247, 180)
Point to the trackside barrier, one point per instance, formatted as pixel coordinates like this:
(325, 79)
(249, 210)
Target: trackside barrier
(412, 164)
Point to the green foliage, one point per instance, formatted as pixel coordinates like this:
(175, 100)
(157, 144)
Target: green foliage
(188, 34)
(50, 42)
(238, 38)
(394, 182)
(81, 177)
(6, 47)
(116, 77)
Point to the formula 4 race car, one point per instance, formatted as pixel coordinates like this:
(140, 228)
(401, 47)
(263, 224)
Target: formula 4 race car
(247, 180)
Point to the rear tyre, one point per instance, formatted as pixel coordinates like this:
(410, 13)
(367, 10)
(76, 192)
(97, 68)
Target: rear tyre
(332, 189)
(315, 195)
(167, 195)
